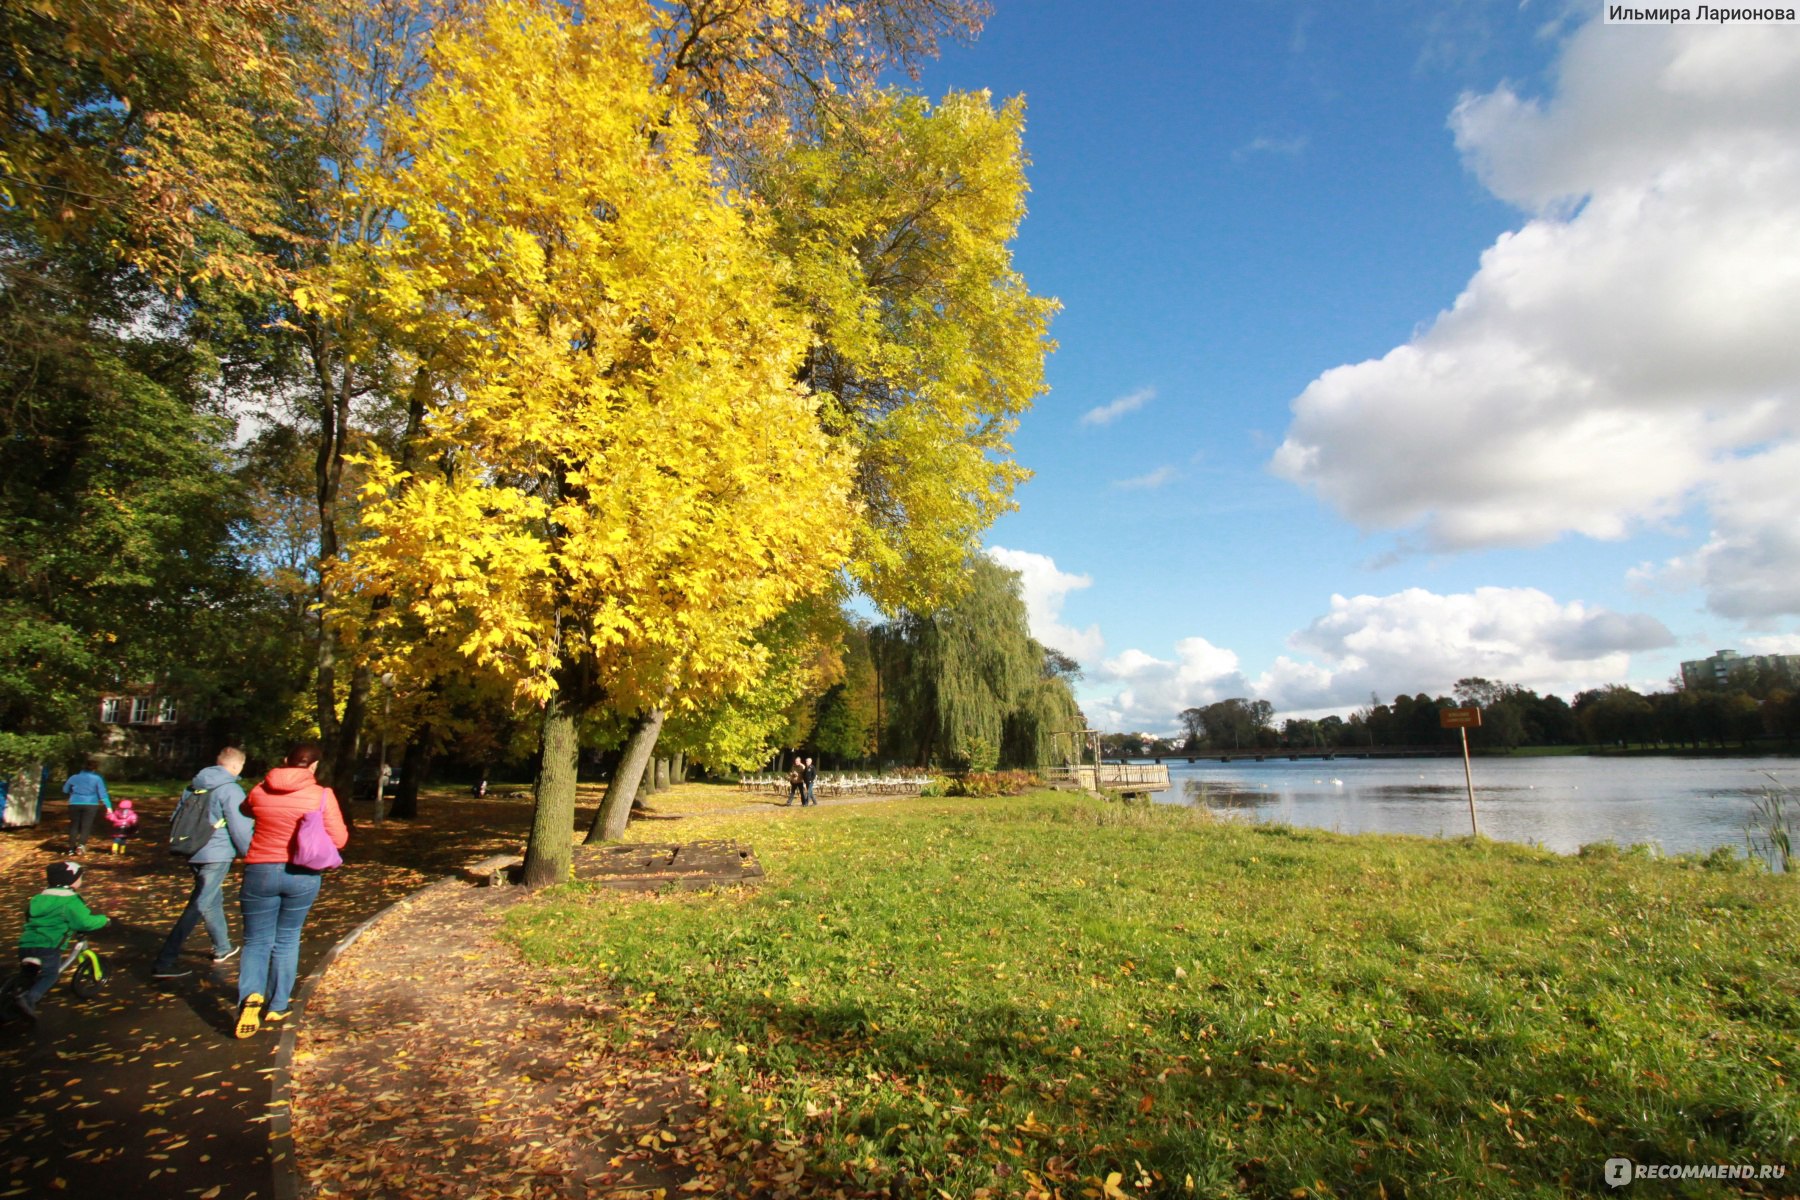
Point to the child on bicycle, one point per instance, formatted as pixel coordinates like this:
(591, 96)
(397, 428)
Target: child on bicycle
(123, 819)
(52, 918)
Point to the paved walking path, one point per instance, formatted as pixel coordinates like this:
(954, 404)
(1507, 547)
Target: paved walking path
(143, 1092)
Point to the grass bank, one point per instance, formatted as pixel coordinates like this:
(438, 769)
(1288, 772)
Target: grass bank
(1048, 995)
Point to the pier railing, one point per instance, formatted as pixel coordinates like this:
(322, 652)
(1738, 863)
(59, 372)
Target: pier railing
(1115, 777)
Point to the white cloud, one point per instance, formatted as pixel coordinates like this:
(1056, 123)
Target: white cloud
(1750, 566)
(1287, 147)
(1421, 641)
(1147, 693)
(1626, 353)
(1106, 414)
(1154, 479)
(1044, 588)
(1410, 641)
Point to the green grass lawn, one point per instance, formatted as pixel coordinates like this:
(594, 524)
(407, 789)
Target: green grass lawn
(992, 997)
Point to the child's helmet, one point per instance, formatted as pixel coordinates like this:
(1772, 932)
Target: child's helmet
(125, 804)
(63, 874)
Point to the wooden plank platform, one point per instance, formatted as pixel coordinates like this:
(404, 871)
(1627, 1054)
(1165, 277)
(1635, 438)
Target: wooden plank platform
(677, 866)
(1126, 778)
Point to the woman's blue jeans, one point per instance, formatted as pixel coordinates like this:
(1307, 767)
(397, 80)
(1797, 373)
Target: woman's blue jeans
(276, 899)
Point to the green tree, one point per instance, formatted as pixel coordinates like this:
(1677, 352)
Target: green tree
(844, 729)
(118, 515)
(1614, 715)
(954, 679)
(1194, 721)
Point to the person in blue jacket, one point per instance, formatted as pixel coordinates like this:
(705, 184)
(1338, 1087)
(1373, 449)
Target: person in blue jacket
(87, 794)
(210, 864)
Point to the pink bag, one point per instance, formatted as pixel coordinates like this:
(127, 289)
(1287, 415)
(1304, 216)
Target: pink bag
(312, 847)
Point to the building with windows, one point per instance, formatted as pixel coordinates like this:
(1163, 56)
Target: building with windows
(142, 727)
(1714, 674)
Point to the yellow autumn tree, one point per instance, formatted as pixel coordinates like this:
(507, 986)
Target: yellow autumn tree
(897, 217)
(626, 480)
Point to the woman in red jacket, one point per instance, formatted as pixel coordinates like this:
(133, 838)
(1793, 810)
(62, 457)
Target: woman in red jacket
(277, 895)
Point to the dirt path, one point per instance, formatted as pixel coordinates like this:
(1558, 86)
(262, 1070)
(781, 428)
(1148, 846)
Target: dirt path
(434, 1062)
(143, 1092)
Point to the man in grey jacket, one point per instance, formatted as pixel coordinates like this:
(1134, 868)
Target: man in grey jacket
(210, 864)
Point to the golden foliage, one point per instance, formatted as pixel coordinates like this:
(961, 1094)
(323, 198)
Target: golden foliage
(628, 482)
(929, 345)
(138, 125)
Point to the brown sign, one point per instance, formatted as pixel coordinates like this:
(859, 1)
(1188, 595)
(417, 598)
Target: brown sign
(1459, 718)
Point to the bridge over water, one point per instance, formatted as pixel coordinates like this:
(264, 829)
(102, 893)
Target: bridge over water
(1296, 753)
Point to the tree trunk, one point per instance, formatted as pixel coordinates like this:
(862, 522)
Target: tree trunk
(615, 809)
(328, 473)
(325, 681)
(661, 782)
(550, 853)
(413, 768)
(344, 757)
(678, 772)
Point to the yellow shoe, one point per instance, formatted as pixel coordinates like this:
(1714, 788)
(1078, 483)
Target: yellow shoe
(250, 1015)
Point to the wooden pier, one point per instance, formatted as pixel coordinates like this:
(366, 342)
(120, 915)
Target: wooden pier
(1124, 779)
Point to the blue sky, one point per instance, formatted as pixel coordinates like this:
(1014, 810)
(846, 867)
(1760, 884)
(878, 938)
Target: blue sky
(1269, 465)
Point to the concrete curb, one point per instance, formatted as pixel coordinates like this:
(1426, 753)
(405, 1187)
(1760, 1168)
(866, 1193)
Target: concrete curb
(285, 1169)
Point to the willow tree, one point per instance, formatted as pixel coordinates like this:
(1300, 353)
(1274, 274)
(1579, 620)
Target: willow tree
(625, 481)
(966, 685)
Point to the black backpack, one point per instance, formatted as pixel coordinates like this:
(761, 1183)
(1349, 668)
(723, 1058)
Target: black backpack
(192, 825)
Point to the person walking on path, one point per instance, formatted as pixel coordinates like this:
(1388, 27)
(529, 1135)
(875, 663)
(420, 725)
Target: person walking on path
(223, 795)
(796, 781)
(276, 895)
(51, 917)
(87, 793)
(809, 773)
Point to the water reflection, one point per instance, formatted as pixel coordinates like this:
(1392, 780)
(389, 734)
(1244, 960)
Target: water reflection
(1679, 805)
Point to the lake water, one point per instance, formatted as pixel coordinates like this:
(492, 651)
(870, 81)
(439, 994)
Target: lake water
(1677, 804)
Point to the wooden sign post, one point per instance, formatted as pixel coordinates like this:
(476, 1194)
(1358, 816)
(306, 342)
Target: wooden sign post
(1462, 720)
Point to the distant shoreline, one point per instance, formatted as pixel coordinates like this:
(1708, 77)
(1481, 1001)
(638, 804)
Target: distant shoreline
(1317, 753)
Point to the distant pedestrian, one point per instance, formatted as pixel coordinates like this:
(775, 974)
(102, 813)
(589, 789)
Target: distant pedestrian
(809, 773)
(796, 778)
(218, 788)
(276, 894)
(87, 793)
(124, 821)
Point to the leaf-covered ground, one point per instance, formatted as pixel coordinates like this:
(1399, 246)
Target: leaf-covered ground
(434, 1060)
(142, 1091)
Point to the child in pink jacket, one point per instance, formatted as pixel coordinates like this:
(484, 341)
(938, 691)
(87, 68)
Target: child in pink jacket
(124, 821)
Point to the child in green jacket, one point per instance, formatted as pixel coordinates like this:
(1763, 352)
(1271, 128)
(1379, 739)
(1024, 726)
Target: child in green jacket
(52, 918)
